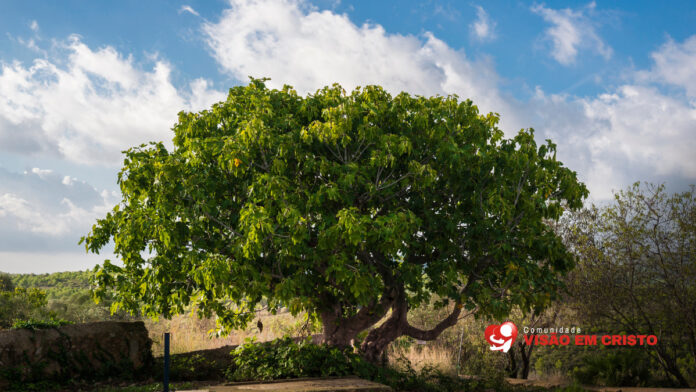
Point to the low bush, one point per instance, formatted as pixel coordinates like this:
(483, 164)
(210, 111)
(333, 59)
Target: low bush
(283, 358)
(40, 323)
(616, 367)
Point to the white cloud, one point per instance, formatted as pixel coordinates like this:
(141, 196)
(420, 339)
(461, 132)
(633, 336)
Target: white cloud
(308, 49)
(645, 126)
(30, 43)
(675, 64)
(43, 214)
(45, 209)
(91, 105)
(42, 173)
(34, 26)
(483, 28)
(28, 219)
(570, 31)
(189, 9)
(634, 133)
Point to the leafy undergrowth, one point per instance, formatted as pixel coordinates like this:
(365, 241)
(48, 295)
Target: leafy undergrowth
(40, 324)
(286, 359)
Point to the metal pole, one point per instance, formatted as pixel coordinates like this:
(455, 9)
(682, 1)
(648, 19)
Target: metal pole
(166, 362)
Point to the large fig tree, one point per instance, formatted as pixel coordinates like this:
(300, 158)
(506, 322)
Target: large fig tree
(351, 207)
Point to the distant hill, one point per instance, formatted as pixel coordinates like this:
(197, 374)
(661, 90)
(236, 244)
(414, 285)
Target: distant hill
(58, 285)
(69, 295)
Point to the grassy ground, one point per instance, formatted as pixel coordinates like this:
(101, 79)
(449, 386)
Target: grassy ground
(188, 333)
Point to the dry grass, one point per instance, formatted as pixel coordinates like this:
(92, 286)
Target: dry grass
(434, 356)
(188, 333)
(554, 377)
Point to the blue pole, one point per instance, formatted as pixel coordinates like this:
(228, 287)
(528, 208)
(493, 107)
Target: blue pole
(166, 362)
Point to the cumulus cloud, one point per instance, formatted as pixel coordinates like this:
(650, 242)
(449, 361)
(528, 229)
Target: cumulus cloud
(43, 210)
(644, 129)
(633, 133)
(294, 44)
(675, 65)
(571, 31)
(483, 28)
(91, 105)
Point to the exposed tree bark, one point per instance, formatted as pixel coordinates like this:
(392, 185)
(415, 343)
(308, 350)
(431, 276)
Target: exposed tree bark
(397, 325)
(340, 331)
(433, 333)
(379, 338)
(336, 333)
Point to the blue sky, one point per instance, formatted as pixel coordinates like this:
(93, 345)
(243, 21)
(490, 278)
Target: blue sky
(612, 83)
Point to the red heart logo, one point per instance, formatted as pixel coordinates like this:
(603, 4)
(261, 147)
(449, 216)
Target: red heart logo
(501, 337)
(491, 330)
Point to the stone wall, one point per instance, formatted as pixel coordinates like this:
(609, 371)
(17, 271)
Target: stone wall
(79, 351)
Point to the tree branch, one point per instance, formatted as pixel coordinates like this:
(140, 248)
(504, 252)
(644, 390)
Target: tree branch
(433, 333)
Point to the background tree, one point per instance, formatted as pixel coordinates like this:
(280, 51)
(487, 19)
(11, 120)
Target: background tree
(520, 353)
(348, 206)
(637, 271)
(68, 295)
(6, 283)
(22, 304)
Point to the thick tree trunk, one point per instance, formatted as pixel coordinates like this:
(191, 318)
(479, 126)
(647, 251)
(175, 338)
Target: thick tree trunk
(336, 331)
(379, 338)
(340, 331)
(397, 325)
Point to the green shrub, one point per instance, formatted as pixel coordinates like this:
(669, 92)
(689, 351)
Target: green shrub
(283, 358)
(615, 367)
(21, 304)
(40, 324)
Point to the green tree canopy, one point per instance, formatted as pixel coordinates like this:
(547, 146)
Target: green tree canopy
(343, 205)
(22, 304)
(6, 283)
